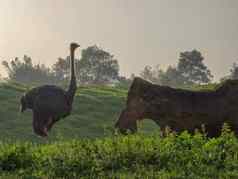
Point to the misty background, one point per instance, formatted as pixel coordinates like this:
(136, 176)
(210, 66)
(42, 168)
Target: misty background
(136, 32)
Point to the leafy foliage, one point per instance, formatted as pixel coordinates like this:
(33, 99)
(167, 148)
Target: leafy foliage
(132, 156)
(61, 68)
(25, 72)
(148, 74)
(97, 66)
(74, 151)
(171, 77)
(190, 70)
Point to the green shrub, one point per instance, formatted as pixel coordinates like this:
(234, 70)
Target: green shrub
(131, 156)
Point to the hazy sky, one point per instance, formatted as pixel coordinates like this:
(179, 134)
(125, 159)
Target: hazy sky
(137, 32)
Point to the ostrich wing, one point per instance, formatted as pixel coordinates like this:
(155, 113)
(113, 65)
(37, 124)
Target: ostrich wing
(51, 100)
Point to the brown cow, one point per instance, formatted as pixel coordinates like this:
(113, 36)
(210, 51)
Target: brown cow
(181, 109)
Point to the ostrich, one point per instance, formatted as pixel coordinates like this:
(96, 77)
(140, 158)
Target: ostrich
(50, 103)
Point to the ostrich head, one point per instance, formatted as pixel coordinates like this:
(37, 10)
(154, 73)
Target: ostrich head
(73, 46)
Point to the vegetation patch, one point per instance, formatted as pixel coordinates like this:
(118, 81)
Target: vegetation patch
(131, 156)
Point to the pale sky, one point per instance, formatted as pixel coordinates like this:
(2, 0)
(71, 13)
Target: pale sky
(137, 32)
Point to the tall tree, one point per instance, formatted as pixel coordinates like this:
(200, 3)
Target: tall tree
(97, 66)
(192, 69)
(189, 70)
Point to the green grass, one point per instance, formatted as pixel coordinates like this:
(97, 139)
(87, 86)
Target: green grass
(82, 145)
(95, 110)
(139, 156)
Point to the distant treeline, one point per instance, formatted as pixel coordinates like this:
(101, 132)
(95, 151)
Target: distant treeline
(190, 70)
(98, 66)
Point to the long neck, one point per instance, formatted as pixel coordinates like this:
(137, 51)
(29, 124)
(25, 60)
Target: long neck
(72, 64)
(72, 86)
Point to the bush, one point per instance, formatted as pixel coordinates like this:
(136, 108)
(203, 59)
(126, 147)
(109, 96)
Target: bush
(131, 156)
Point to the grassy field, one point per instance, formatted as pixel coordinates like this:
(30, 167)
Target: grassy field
(94, 113)
(83, 145)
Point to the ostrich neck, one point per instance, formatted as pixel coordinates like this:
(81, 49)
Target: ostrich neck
(72, 64)
(72, 86)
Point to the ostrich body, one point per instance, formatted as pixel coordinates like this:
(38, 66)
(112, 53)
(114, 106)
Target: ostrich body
(50, 103)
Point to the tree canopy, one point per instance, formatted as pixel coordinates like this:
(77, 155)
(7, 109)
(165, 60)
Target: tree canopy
(97, 66)
(189, 70)
(25, 72)
(192, 69)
